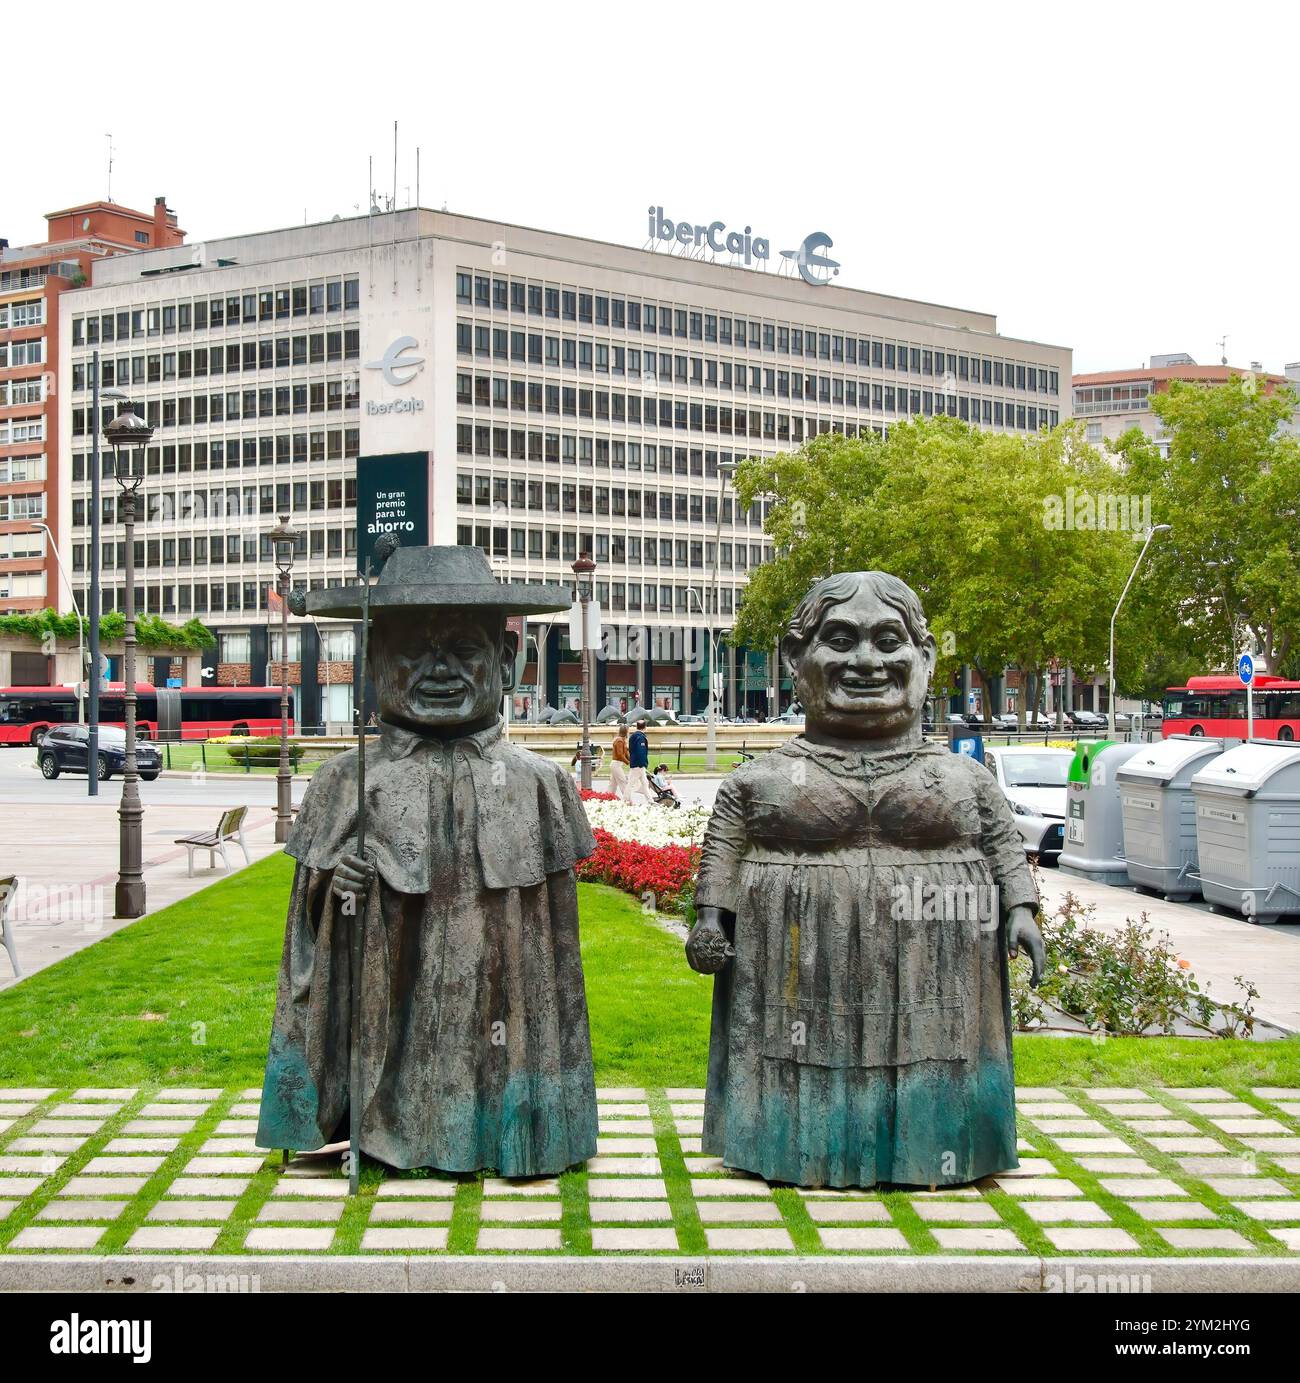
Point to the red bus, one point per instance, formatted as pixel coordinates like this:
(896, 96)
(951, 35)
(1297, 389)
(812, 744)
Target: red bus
(164, 713)
(1216, 706)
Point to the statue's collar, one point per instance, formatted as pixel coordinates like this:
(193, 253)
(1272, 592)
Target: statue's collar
(400, 742)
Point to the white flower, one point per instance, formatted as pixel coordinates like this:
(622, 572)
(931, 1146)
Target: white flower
(649, 824)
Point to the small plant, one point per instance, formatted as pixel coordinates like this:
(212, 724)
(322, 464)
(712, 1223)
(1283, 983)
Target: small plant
(1130, 983)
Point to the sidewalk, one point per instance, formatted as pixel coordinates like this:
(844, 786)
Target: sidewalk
(66, 860)
(1121, 1182)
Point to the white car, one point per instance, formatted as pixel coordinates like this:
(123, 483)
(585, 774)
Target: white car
(1033, 779)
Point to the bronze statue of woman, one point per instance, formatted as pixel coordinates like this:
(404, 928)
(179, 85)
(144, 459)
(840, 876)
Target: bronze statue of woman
(860, 891)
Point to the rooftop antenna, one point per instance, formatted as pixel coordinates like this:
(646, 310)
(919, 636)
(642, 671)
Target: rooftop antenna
(419, 261)
(109, 137)
(1223, 347)
(393, 207)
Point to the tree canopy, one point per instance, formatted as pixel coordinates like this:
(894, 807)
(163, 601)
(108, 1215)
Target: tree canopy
(1228, 575)
(1000, 535)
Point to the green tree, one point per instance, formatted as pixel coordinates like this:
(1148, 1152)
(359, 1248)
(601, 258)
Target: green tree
(976, 522)
(1229, 572)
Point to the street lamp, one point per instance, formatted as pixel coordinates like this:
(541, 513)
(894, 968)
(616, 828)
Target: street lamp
(1159, 528)
(128, 433)
(725, 470)
(582, 569)
(283, 539)
(76, 610)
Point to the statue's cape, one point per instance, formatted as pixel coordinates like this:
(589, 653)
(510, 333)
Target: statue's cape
(527, 816)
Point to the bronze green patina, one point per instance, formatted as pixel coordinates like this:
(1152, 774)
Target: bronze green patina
(858, 897)
(474, 1046)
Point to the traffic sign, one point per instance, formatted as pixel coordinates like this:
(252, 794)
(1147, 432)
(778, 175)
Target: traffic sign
(1246, 669)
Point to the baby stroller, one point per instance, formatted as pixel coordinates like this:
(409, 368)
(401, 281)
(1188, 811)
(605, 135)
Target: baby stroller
(662, 787)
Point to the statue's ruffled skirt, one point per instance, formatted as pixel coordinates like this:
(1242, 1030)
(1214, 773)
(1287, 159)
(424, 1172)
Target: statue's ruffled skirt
(857, 1041)
(476, 1048)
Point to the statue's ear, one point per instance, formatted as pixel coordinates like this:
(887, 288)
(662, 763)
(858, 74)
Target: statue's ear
(791, 651)
(509, 651)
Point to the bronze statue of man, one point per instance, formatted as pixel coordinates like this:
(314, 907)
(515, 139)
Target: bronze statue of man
(859, 893)
(475, 1049)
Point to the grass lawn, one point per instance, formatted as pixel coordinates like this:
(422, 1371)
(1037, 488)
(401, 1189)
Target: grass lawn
(185, 997)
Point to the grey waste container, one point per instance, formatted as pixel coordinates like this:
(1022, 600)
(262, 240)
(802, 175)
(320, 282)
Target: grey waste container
(1248, 829)
(1159, 813)
(1094, 823)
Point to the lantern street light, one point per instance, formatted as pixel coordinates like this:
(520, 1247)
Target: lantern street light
(128, 434)
(283, 540)
(582, 569)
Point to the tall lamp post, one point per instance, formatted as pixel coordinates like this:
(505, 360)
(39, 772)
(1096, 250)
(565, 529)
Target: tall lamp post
(725, 470)
(283, 539)
(582, 569)
(128, 434)
(1110, 710)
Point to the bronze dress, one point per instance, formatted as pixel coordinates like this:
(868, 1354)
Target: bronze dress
(475, 1044)
(862, 1033)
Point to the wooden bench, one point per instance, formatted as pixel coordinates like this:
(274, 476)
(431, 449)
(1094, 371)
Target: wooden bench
(8, 887)
(231, 827)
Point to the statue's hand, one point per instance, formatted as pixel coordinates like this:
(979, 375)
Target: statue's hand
(1023, 931)
(352, 879)
(707, 947)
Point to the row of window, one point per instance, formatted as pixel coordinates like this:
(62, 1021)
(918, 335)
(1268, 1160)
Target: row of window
(209, 314)
(22, 314)
(519, 444)
(503, 493)
(14, 468)
(21, 546)
(283, 449)
(14, 507)
(200, 410)
(18, 430)
(231, 502)
(618, 549)
(16, 392)
(597, 357)
(265, 353)
(636, 410)
(15, 353)
(695, 324)
(215, 551)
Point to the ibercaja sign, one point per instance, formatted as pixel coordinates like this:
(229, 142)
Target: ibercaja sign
(392, 497)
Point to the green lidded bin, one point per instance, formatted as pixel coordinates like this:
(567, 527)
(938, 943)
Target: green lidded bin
(1084, 753)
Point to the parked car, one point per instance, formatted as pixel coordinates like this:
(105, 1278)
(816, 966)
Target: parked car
(1086, 720)
(65, 748)
(1033, 720)
(692, 720)
(1033, 779)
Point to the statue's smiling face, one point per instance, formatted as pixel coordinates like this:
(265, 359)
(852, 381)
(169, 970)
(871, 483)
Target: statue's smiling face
(860, 674)
(440, 668)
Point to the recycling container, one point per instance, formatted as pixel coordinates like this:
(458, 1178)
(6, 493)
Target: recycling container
(1159, 813)
(1094, 821)
(1248, 829)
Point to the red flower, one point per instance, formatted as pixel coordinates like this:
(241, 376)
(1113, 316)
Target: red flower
(663, 870)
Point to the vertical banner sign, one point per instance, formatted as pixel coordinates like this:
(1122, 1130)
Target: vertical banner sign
(392, 497)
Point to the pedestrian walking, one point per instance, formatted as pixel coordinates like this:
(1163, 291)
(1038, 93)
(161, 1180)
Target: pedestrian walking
(639, 756)
(619, 766)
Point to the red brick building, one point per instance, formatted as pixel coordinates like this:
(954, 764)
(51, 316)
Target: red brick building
(31, 279)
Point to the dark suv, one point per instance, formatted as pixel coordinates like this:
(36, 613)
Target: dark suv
(64, 749)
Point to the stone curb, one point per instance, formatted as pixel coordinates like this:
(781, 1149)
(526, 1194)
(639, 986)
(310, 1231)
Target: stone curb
(397, 1273)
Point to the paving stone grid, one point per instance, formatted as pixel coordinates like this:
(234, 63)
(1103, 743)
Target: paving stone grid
(1164, 1172)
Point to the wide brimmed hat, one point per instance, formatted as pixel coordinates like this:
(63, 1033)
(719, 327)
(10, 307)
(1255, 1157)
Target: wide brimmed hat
(421, 578)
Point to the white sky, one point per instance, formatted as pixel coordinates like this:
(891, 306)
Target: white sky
(1118, 178)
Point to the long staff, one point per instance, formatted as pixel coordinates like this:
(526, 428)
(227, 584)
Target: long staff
(384, 549)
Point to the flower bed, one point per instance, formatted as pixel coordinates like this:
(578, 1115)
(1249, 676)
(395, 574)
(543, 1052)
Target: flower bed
(649, 851)
(662, 876)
